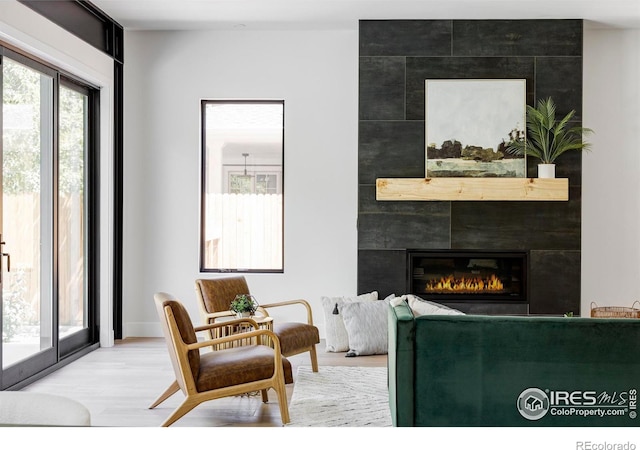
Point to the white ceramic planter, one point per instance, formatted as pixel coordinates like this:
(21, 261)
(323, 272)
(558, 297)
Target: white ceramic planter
(546, 170)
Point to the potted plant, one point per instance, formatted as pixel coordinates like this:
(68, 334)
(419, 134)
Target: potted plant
(244, 305)
(547, 138)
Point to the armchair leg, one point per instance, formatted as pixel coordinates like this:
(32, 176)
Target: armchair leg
(166, 394)
(282, 402)
(265, 396)
(314, 358)
(180, 411)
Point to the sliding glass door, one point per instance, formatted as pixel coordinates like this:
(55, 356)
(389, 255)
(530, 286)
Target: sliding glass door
(27, 219)
(47, 300)
(73, 151)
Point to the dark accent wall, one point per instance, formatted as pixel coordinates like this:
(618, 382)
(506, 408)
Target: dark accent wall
(396, 56)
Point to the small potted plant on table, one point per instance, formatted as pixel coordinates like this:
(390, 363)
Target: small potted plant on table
(244, 305)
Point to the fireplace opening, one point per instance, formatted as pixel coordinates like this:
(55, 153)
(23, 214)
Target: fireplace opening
(468, 276)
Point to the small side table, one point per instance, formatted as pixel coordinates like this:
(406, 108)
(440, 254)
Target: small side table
(264, 323)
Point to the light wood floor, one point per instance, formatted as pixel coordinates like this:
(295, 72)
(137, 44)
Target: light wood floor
(118, 384)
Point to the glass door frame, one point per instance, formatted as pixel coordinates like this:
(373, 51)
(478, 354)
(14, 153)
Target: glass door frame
(30, 369)
(88, 335)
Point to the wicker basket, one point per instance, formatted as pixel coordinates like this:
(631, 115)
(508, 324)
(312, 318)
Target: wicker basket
(616, 312)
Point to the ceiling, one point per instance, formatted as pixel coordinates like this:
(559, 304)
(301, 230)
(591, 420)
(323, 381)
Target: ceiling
(344, 14)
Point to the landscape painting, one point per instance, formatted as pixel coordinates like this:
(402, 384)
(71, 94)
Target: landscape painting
(470, 123)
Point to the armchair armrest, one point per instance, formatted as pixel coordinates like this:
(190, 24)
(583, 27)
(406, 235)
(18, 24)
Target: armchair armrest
(236, 337)
(211, 326)
(208, 317)
(304, 303)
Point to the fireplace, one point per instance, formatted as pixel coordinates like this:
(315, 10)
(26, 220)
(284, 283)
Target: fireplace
(491, 282)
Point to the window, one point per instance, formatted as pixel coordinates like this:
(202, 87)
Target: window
(242, 186)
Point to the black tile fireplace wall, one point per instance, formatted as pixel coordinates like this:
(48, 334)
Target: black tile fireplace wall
(396, 56)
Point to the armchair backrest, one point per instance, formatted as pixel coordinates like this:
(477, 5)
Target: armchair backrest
(178, 331)
(215, 295)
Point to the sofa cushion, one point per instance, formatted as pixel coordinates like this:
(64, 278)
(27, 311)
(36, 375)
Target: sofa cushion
(366, 325)
(422, 307)
(336, 338)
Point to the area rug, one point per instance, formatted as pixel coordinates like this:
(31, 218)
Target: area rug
(340, 397)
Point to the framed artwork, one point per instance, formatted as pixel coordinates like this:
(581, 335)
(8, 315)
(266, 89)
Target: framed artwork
(470, 123)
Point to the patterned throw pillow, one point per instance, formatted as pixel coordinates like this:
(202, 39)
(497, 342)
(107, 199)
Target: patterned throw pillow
(366, 324)
(336, 339)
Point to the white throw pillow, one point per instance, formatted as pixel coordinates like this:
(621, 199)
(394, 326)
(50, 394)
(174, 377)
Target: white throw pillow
(366, 324)
(422, 307)
(336, 338)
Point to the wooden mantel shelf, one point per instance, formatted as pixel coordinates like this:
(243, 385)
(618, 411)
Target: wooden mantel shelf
(487, 189)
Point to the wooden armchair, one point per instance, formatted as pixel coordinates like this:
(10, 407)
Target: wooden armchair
(217, 374)
(215, 295)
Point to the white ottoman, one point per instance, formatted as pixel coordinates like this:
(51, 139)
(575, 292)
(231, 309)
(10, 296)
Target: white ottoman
(37, 409)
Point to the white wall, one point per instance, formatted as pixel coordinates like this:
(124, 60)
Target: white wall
(37, 36)
(611, 172)
(166, 76)
(316, 73)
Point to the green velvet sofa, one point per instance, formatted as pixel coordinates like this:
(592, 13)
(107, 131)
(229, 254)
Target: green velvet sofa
(484, 371)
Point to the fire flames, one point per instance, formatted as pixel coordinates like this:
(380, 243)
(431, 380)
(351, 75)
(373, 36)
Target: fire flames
(464, 285)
